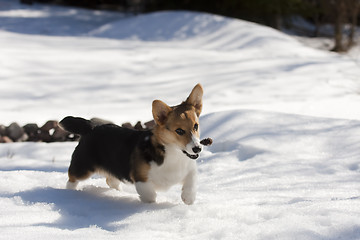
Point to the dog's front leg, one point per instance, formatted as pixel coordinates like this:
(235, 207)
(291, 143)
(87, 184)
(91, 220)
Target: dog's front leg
(146, 191)
(188, 194)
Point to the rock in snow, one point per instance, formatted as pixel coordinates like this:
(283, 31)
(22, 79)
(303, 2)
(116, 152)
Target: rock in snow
(15, 132)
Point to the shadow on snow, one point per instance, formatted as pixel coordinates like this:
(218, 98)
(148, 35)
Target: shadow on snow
(91, 207)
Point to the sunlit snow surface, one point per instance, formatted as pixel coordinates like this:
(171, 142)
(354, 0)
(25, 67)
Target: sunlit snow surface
(284, 119)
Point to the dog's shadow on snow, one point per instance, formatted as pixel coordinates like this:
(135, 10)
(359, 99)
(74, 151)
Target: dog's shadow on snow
(81, 209)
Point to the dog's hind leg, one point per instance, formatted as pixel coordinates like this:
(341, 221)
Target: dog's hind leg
(113, 182)
(74, 180)
(72, 183)
(76, 175)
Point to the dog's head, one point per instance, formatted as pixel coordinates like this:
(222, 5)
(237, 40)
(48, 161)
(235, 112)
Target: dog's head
(179, 125)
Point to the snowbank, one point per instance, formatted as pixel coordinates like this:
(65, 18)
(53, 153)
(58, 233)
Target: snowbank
(196, 29)
(51, 20)
(241, 65)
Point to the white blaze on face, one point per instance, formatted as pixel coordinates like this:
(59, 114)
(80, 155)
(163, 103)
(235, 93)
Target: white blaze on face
(194, 146)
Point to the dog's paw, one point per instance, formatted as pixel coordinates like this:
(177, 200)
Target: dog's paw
(113, 183)
(188, 196)
(146, 192)
(71, 185)
(147, 199)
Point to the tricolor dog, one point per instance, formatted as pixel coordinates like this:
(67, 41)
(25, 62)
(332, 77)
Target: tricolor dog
(154, 160)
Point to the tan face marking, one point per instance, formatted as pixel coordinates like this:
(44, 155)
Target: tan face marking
(183, 124)
(179, 125)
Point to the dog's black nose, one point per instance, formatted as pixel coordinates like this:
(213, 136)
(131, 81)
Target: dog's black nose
(196, 149)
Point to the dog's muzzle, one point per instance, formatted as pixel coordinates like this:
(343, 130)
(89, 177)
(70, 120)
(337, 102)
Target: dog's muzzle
(193, 149)
(192, 156)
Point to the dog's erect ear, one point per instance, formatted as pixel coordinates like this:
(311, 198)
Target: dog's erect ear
(160, 111)
(195, 98)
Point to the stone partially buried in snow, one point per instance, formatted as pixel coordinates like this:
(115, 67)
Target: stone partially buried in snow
(5, 139)
(138, 126)
(32, 130)
(2, 130)
(150, 124)
(127, 125)
(51, 124)
(59, 134)
(14, 131)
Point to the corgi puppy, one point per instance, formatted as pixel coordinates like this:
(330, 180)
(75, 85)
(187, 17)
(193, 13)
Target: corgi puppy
(154, 160)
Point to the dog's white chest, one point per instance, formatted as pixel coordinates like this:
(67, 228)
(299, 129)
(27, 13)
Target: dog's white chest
(173, 171)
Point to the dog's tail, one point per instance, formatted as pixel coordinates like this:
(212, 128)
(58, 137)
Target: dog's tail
(76, 125)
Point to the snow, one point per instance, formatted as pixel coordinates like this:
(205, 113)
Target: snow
(285, 159)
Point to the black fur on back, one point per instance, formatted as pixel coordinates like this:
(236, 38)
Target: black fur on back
(110, 148)
(76, 125)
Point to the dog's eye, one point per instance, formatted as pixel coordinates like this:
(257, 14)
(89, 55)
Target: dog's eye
(180, 132)
(196, 126)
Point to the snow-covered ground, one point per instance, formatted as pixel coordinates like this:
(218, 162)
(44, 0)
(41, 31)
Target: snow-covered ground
(284, 118)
